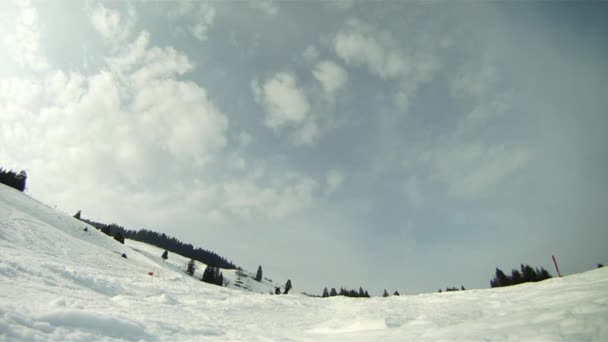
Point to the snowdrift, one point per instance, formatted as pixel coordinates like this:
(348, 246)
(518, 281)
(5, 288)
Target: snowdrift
(61, 283)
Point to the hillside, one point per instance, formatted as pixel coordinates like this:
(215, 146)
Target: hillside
(60, 283)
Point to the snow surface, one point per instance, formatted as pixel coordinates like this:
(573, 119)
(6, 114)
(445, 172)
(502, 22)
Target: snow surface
(60, 283)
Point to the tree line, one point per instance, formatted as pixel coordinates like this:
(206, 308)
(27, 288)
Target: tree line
(161, 240)
(13, 179)
(525, 274)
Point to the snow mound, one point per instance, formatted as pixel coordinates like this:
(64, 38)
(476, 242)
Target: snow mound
(61, 283)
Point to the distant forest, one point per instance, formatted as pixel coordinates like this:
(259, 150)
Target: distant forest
(163, 241)
(13, 179)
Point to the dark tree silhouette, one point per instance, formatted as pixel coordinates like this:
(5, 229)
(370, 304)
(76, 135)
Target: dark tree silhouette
(258, 274)
(325, 293)
(165, 255)
(287, 286)
(385, 294)
(13, 179)
(213, 275)
(396, 293)
(333, 292)
(190, 267)
(525, 274)
(120, 237)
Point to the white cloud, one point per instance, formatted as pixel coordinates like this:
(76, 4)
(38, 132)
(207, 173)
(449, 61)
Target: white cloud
(331, 76)
(306, 134)
(270, 7)
(489, 107)
(246, 199)
(113, 27)
(311, 53)
(341, 5)
(203, 21)
(476, 79)
(469, 170)
(180, 112)
(284, 103)
(24, 43)
(359, 45)
(181, 9)
(141, 117)
(333, 180)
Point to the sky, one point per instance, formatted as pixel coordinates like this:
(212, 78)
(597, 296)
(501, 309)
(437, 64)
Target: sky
(410, 146)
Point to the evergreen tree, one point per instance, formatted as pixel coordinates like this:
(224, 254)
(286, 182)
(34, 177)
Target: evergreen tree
(542, 274)
(396, 293)
(528, 273)
(213, 275)
(325, 293)
(77, 215)
(258, 275)
(165, 255)
(500, 279)
(525, 274)
(120, 237)
(107, 230)
(287, 286)
(462, 288)
(12, 179)
(333, 292)
(191, 267)
(385, 294)
(516, 277)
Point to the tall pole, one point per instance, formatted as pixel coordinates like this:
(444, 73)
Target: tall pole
(556, 267)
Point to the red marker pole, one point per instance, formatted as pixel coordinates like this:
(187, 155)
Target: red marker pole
(556, 267)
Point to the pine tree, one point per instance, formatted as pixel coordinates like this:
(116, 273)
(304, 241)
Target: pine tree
(287, 286)
(120, 237)
(528, 273)
(165, 255)
(385, 294)
(516, 277)
(500, 279)
(77, 215)
(396, 293)
(191, 267)
(333, 292)
(258, 275)
(325, 293)
(213, 275)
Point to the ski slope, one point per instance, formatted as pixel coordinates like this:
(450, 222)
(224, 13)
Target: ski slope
(60, 283)
(237, 279)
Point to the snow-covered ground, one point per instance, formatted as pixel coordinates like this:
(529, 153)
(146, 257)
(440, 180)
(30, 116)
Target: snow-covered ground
(60, 283)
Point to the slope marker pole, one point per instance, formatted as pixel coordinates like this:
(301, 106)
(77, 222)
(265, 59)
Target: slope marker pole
(556, 267)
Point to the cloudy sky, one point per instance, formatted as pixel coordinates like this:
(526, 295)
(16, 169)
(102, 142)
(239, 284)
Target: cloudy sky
(397, 145)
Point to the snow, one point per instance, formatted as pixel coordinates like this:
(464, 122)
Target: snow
(60, 283)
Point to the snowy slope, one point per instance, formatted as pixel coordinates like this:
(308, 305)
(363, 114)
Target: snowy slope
(237, 279)
(59, 283)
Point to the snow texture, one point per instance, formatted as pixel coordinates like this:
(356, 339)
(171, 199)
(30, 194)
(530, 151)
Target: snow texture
(61, 283)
